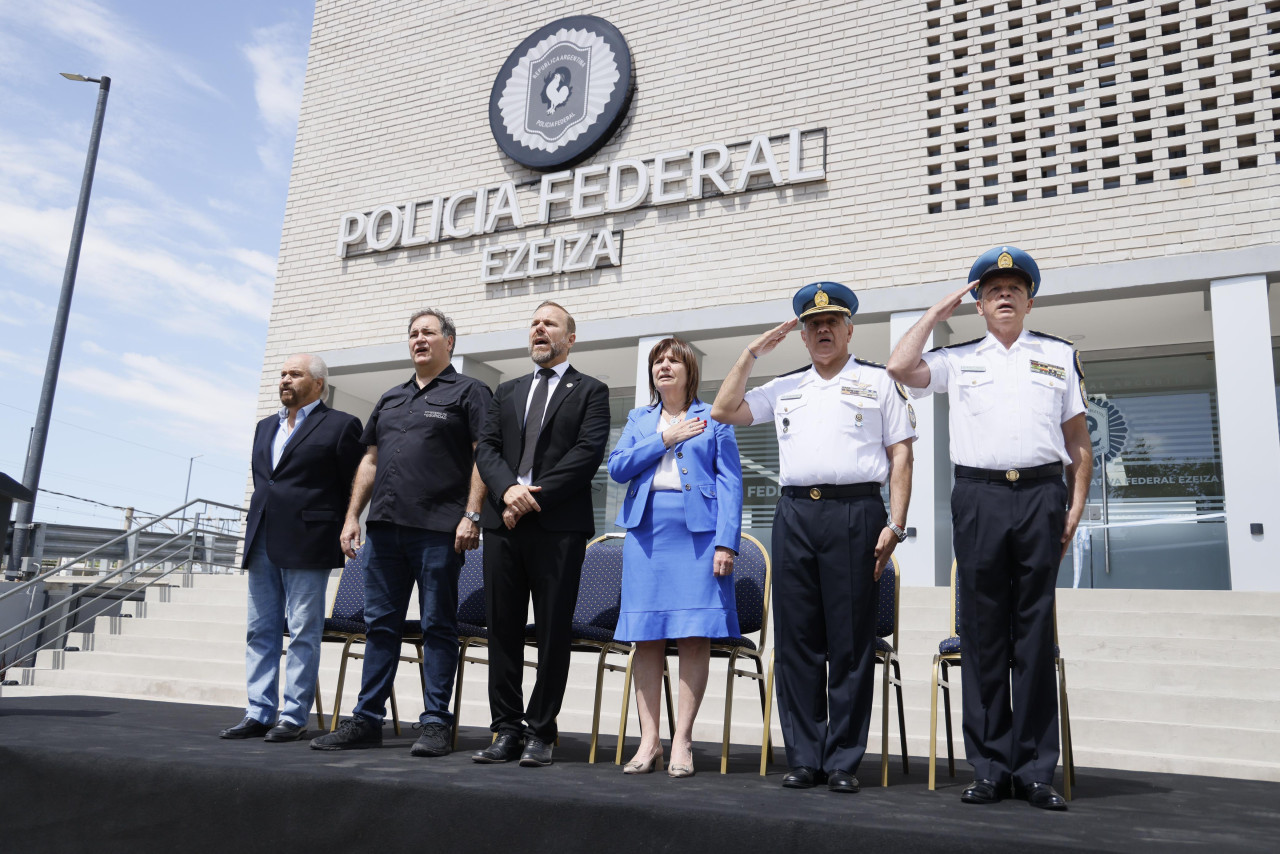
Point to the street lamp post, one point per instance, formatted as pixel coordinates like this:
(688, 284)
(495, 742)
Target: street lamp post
(40, 433)
(187, 493)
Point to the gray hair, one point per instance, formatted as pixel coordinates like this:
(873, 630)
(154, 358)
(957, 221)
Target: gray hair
(317, 368)
(447, 329)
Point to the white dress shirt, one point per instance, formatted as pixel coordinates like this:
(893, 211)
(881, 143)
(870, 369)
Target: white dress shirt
(284, 433)
(667, 475)
(833, 431)
(552, 384)
(1008, 406)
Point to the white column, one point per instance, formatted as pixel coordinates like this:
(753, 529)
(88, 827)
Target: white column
(1250, 436)
(476, 369)
(919, 555)
(643, 346)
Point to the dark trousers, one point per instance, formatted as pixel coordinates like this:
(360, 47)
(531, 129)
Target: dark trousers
(399, 556)
(545, 565)
(1008, 549)
(825, 615)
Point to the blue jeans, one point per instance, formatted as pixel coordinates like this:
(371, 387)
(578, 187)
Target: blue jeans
(399, 555)
(279, 596)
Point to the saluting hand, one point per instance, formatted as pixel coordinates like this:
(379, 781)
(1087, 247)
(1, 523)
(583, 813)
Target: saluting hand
(682, 431)
(947, 306)
(771, 339)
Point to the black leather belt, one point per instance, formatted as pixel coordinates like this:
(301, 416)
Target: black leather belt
(827, 490)
(1010, 475)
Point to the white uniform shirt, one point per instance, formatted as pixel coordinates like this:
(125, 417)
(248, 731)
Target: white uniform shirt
(552, 384)
(1008, 406)
(833, 431)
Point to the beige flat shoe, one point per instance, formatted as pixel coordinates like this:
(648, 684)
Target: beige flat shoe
(680, 771)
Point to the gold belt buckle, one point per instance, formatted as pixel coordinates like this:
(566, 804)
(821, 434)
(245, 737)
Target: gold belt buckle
(815, 493)
(1012, 475)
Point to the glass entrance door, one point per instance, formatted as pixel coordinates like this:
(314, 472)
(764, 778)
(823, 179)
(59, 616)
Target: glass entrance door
(1155, 517)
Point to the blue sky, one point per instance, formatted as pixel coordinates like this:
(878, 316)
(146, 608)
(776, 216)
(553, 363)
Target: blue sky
(164, 347)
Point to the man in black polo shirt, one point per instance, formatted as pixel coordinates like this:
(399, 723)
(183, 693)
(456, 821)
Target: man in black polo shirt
(419, 469)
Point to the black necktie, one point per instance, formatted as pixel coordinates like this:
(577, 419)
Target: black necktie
(533, 421)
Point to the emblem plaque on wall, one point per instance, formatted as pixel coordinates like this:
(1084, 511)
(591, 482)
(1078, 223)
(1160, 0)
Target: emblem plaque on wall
(562, 93)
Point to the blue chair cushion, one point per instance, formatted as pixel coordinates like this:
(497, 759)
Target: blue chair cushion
(582, 631)
(747, 643)
(883, 645)
(470, 630)
(346, 627)
(949, 646)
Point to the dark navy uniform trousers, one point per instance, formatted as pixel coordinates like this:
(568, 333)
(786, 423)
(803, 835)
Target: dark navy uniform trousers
(1008, 549)
(824, 605)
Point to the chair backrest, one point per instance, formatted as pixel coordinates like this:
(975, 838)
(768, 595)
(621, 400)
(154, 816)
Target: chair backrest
(471, 607)
(887, 590)
(752, 577)
(348, 600)
(600, 590)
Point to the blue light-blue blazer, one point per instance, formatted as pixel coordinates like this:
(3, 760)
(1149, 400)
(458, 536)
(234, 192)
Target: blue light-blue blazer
(712, 484)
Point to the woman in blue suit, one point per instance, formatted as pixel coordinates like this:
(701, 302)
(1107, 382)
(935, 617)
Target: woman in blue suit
(683, 515)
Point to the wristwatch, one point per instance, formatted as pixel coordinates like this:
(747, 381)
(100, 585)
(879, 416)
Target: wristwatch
(898, 532)
(475, 517)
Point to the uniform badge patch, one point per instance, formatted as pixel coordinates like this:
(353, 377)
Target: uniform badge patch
(911, 414)
(1005, 261)
(1048, 370)
(846, 389)
(820, 299)
(976, 368)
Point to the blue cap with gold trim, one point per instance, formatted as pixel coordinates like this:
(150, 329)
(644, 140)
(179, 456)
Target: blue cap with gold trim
(1004, 259)
(821, 297)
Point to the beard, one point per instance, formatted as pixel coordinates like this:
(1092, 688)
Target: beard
(555, 349)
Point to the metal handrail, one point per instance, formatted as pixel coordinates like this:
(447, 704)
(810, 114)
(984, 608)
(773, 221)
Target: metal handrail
(113, 541)
(193, 534)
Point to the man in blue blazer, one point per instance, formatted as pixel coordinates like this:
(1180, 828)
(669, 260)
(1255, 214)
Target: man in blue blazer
(304, 459)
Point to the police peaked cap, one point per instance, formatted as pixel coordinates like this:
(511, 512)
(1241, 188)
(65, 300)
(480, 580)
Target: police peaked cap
(822, 297)
(1004, 259)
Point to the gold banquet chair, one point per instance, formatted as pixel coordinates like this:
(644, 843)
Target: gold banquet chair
(948, 656)
(887, 594)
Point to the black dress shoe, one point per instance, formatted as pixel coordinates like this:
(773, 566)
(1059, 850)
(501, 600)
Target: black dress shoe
(1043, 796)
(985, 792)
(504, 749)
(537, 753)
(247, 728)
(285, 731)
(802, 777)
(843, 781)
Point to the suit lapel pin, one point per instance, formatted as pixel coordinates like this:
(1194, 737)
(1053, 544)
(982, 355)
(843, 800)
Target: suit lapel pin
(568, 385)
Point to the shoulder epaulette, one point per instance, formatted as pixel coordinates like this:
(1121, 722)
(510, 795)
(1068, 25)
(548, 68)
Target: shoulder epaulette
(961, 344)
(868, 362)
(796, 371)
(1051, 337)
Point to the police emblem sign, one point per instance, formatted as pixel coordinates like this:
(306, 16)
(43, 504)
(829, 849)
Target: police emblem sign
(562, 93)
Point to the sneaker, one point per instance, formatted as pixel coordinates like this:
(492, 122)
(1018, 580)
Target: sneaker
(434, 740)
(352, 734)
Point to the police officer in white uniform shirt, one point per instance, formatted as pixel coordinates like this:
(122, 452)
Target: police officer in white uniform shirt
(1017, 422)
(844, 428)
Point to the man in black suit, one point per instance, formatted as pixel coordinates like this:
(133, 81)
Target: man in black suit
(304, 458)
(542, 444)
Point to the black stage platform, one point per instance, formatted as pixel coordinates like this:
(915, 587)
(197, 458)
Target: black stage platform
(87, 774)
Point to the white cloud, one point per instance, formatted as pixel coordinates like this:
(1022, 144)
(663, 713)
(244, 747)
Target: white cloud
(192, 404)
(278, 57)
(26, 364)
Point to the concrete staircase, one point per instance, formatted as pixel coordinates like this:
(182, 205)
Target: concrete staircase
(1178, 681)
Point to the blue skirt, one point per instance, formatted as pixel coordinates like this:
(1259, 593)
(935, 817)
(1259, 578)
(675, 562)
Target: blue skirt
(668, 589)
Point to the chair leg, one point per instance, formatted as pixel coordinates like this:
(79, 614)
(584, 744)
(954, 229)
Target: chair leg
(342, 675)
(626, 705)
(319, 707)
(902, 716)
(595, 712)
(728, 717)
(457, 691)
(395, 712)
(933, 726)
(946, 699)
(1068, 759)
(671, 710)
(764, 699)
(766, 749)
(884, 719)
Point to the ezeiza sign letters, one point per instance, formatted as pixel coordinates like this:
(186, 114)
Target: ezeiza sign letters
(560, 96)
